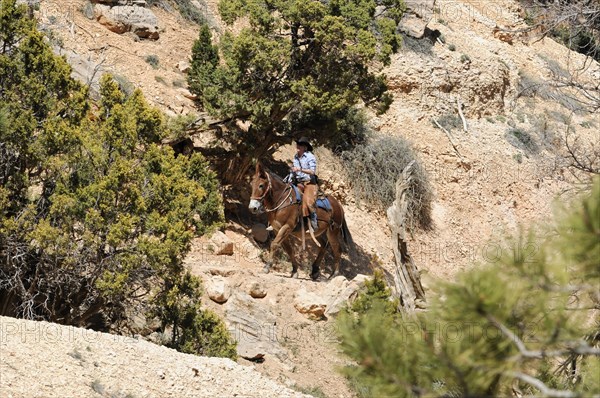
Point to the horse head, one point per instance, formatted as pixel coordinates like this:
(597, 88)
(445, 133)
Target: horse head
(261, 185)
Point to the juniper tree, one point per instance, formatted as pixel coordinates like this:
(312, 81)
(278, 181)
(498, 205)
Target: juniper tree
(295, 68)
(95, 215)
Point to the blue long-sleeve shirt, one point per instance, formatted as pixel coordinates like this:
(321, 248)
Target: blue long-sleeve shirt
(307, 161)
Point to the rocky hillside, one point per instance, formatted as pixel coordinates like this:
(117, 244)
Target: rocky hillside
(41, 359)
(503, 170)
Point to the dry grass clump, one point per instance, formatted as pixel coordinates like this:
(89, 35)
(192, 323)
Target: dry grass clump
(372, 170)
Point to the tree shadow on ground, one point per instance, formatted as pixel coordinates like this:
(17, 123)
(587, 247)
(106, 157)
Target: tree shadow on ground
(355, 260)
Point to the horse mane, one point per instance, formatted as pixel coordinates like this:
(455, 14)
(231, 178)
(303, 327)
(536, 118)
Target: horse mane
(274, 175)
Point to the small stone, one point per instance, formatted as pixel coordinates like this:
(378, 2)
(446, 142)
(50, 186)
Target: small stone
(221, 244)
(360, 279)
(257, 290)
(260, 233)
(218, 290)
(309, 303)
(187, 94)
(183, 66)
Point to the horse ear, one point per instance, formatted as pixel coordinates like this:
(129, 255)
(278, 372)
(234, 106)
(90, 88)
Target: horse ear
(259, 168)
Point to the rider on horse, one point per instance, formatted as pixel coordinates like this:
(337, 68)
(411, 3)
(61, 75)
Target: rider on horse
(305, 170)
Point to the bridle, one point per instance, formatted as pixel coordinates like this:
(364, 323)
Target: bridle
(266, 190)
(269, 189)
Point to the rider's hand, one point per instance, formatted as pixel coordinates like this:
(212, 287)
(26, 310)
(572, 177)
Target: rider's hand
(296, 169)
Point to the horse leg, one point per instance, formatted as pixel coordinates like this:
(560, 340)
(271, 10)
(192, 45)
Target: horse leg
(289, 249)
(333, 236)
(314, 273)
(275, 245)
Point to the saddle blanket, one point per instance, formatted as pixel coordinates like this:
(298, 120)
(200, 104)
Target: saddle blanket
(324, 204)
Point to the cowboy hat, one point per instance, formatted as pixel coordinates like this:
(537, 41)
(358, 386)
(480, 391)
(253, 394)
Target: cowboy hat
(304, 141)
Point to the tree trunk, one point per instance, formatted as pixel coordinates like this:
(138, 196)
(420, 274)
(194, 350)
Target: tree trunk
(407, 279)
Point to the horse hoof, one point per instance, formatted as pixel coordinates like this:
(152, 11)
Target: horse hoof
(334, 274)
(315, 276)
(266, 270)
(294, 275)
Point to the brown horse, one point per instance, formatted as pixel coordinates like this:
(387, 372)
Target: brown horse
(277, 198)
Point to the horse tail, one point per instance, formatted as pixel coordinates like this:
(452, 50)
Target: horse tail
(350, 246)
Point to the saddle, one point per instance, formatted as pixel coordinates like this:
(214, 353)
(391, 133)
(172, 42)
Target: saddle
(322, 199)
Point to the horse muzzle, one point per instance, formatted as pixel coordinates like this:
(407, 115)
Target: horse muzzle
(255, 206)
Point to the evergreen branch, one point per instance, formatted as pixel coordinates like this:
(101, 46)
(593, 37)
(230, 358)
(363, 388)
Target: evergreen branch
(544, 389)
(581, 349)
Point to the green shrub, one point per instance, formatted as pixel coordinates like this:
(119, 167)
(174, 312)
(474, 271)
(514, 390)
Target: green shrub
(195, 331)
(125, 84)
(465, 58)
(87, 9)
(449, 121)
(586, 124)
(582, 40)
(375, 292)
(179, 125)
(314, 391)
(522, 139)
(160, 80)
(518, 157)
(179, 83)
(114, 211)
(190, 12)
(153, 61)
(452, 47)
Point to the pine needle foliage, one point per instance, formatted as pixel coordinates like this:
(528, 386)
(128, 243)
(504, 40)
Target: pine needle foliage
(96, 215)
(295, 68)
(525, 324)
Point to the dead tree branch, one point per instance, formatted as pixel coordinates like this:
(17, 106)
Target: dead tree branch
(450, 138)
(462, 115)
(407, 279)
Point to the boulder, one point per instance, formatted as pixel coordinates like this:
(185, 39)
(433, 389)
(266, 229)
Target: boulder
(141, 3)
(183, 66)
(260, 233)
(360, 279)
(121, 19)
(417, 16)
(343, 292)
(310, 303)
(84, 68)
(218, 290)
(187, 94)
(254, 327)
(257, 290)
(221, 244)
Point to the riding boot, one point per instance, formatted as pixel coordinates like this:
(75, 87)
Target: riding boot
(313, 221)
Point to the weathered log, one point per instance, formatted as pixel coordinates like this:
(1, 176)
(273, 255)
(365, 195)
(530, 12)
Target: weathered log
(407, 279)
